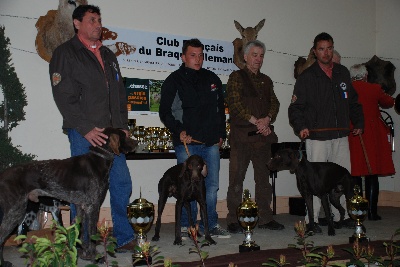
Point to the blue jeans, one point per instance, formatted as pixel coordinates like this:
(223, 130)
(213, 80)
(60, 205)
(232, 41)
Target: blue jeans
(210, 155)
(120, 190)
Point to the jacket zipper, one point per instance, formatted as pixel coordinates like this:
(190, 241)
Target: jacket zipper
(108, 87)
(334, 106)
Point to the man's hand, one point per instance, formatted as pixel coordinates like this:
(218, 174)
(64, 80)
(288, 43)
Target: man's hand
(304, 133)
(357, 131)
(263, 123)
(265, 131)
(185, 138)
(96, 137)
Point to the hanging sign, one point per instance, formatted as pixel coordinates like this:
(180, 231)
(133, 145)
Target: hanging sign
(161, 51)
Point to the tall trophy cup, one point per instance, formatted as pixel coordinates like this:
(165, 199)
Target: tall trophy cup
(357, 207)
(141, 216)
(247, 215)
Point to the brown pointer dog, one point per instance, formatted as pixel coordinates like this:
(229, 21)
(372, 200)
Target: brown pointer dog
(326, 180)
(82, 180)
(185, 182)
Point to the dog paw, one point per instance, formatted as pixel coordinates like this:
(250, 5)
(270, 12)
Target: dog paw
(314, 229)
(155, 238)
(211, 241)
(331, 232)
(7, 264)
(178, 241)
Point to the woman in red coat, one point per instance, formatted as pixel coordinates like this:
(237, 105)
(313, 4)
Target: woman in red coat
(375, 137)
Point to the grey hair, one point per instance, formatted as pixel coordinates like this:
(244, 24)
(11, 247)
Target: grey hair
(358, 72)
(335, 52)
(251, 44)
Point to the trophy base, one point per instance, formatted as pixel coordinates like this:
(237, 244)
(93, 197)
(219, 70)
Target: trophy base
(243, 248)
(352, 239)
(140, 261)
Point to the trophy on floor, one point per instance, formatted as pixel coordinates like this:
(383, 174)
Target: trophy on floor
(357, 207)
(247, 215)
(141, 216)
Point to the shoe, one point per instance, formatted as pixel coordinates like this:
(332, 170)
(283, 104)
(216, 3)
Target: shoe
(348, 223)
(234, 228)
(184, 233)
(315, 230)
(323, 221)
(129, 247)
(219, 232)
(272, 225)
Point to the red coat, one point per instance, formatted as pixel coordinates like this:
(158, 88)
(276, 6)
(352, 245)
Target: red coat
(375, 135)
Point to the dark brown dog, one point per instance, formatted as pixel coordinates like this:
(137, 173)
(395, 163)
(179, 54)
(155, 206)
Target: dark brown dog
(185, 182)
(82, 180)
(321, 179)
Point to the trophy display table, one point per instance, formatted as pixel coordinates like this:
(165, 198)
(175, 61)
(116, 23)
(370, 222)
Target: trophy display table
(224, 154)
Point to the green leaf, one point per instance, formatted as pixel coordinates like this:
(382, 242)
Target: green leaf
(204, 255)
(313, 255)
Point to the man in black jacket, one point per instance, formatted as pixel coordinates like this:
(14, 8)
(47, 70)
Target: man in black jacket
(192, 108)
(89, 92)
(323, 104)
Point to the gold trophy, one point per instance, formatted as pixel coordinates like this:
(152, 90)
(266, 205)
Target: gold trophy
(141, 216)
(357, 207)
(247, 215)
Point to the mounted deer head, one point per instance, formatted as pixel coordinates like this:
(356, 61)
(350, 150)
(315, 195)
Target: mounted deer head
(248, 34)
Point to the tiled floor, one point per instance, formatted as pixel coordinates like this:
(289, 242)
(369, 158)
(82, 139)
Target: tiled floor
(266, 239)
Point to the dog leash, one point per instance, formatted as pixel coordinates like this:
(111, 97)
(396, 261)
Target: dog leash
(365, 154)
(186, 148)
(344, 129)
(328, 129)
(318, 130)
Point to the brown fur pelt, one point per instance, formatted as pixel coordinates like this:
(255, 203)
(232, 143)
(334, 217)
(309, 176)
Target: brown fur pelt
(301, 64)
(381, 72)
(55, 28)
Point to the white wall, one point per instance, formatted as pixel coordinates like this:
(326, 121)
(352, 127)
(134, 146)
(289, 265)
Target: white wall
(360, 28)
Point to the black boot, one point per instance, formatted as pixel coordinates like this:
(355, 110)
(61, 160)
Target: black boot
(358, 181)
(372, 194)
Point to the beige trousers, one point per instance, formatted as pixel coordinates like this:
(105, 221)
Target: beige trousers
(336, 151)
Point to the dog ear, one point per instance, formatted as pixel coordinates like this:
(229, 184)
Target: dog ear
(183, 169)
(114, 143)
(204, 170)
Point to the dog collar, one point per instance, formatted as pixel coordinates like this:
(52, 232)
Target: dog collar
(108, 155)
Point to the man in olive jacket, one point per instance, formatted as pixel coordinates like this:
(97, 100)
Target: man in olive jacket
(253, 106)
